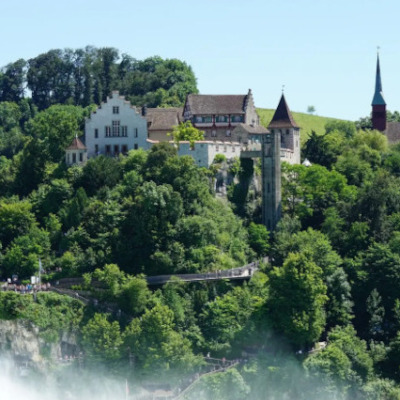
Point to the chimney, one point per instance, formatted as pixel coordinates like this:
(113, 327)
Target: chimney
(144, 110)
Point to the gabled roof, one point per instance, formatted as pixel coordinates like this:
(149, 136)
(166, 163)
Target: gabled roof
(253, 130)
(378, 99)
(163, 118)
(207, 104)
(76, 144)
(283, 117)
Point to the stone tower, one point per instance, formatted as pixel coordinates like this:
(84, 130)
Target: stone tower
(283, 137)
(289, 132)
(378, 102)
(271, 179)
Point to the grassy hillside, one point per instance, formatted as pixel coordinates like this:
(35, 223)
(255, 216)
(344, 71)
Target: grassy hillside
(306, 122)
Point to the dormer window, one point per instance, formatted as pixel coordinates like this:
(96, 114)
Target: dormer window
(115, 110)
(221, 118)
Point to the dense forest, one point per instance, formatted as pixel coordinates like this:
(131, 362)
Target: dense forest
(320, 320)
(85, 76)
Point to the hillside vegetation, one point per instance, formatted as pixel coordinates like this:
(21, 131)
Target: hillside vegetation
(307, 122)
(333, 275)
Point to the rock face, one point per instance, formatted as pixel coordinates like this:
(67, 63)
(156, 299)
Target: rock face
(20, 340)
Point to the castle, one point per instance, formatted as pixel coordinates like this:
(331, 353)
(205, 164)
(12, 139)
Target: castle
(231, 127)
(230, 123)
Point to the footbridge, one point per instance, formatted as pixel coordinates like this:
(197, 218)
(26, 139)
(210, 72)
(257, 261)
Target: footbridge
(240, 273)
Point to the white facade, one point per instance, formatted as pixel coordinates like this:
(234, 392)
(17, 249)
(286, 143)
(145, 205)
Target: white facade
(115, 127)
(204, 152)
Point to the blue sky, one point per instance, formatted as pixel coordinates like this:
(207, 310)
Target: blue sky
(324, 52)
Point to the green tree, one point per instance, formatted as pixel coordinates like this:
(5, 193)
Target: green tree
(156, 345)
(22, 255)
(134, 295)
(259, 238)
(55, 128)
(12, 81)
(102, 339)
(98, 172)
(16, 219)
(296, 300)
(185, 131)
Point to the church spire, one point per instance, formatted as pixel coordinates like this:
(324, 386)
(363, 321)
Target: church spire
(378, 95)
(378, 102)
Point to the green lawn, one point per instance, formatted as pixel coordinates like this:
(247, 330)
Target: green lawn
(306, 122)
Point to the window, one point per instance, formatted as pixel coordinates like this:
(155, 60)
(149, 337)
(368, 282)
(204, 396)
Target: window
(213, 133)
(96, 133)
(287, 131)
(136, 146)
(203, 119)
(124, 149)
(237, 118)
(217, 147)
(228, 133)
(74, 158)
(107, 130)
(136, 132)
(96, 149)
(80, 157)
(116, 149)
(115, 128)
(221, 118)
(124, 130)
(233, 148)
(68, 158)
(115, 110)
(108, 149)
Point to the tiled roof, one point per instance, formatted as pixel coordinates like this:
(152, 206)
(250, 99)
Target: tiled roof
(76, 144)
(258, 129)
(163, 118)
(393, 132)
(283, 117)
(207, 104)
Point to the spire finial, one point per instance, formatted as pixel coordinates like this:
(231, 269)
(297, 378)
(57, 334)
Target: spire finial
(377, 49)
(283, 89)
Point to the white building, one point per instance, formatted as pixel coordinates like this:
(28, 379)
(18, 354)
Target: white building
(115, 127)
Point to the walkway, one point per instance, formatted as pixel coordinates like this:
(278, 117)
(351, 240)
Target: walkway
(245, 272)
(218, 365)
(241, 273)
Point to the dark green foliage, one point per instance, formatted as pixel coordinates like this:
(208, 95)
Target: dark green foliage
(83, 76)
(333, 270)
(98, 172)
